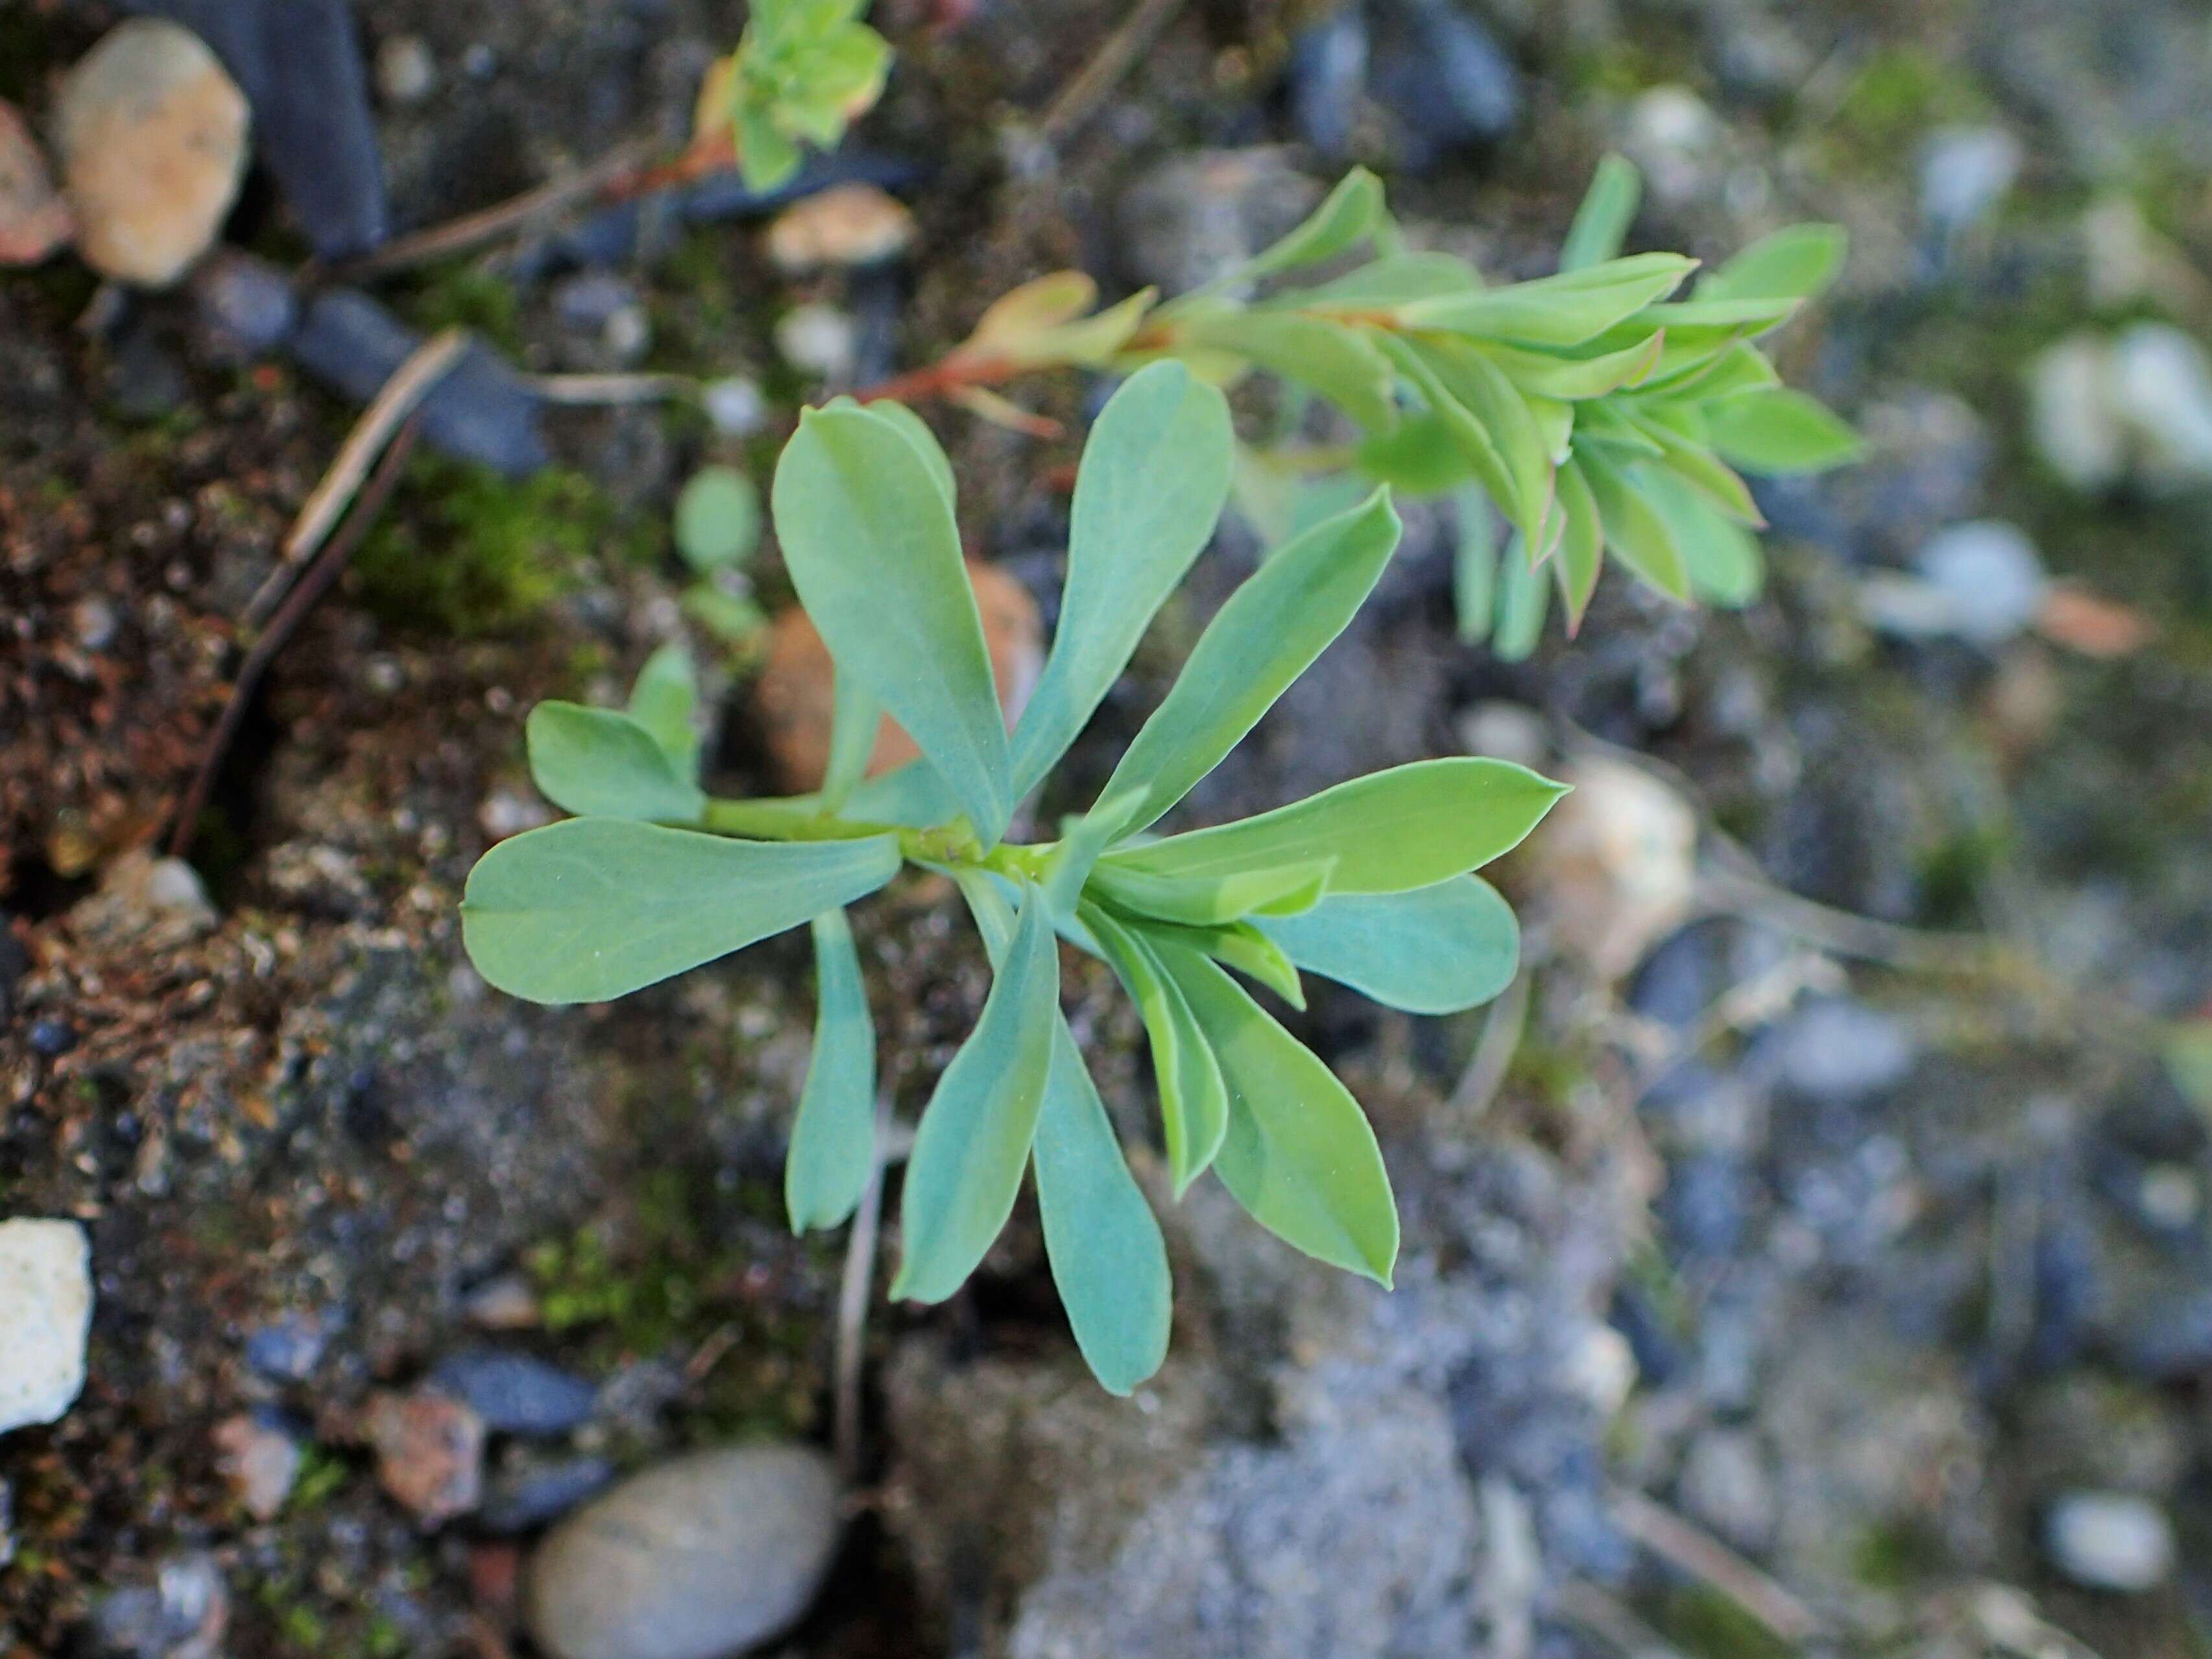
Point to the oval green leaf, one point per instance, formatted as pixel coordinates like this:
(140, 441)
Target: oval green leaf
(1433, 950)
(833, 1137)
(598, 764)
(1194, 1100)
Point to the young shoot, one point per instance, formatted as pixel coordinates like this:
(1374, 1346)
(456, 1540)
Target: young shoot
(1367, 884)
(803, 71)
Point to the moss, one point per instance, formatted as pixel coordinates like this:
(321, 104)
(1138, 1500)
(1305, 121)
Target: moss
(466, 296)
(1893, 1556)
(1703, 1621)
(1898, 95)
(480, 554)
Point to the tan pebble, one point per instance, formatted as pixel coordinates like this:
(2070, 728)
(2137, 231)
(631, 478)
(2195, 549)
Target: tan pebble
(151, 136)
(34, 220)
(845, 226)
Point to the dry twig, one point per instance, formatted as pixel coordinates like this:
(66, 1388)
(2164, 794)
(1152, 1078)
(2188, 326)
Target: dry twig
(1693, 1551)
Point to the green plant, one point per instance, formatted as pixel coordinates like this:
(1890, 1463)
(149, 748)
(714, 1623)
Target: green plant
(1596, 412)
(803, 70)
(1367, 883)
(717, 529)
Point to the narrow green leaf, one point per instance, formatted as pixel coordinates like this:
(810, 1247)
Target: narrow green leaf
(1419, 456)
(1795, 263)
(833, 1137)
(1263, 638)
(1349, 212)
(1696, 464)
(1721, 556)
(1433, 950)
(1581, 545)
(1634, 531)
(718, 520)
(598, 764)
(1780, 431)
(1481, 387)
(590, 909)
(1608, 209)
(1299, 1155)
(663, 700)
(912, 796)
(1108, 1258)
(1322, 355)
(1392, 280)
(1475, 567)
(1742, 367)
(1214, 897)
(872, 549)
(1410, 826)
(1575, 378)
(1523, 601)
(1081, 840)
(974, 1136)
(855, 718)
(1565, 310)
(1193, 1099)
(1417, 362)
(1237, 945)
(1153, 478)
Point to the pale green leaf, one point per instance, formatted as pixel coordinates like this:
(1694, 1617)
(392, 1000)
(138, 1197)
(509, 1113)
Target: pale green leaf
(1417, 361)
(1581, 551)
(923, 440)
(590, 909)
(1419, 456)
(1194, 1100)
(663, 700)
(1523, 601)
(1780, 431)
(596, 762)
(1565, 310)
(1634, 531)
(855, 719)
(1433, 950)
(874, 553)
(1479, 385)
(1082, 839)
(1349, 212)
(1575, 378)
(1153, 481)
(1213, 897)
(1264, 637)
(1475, 567)
(1607, 209)
(1795, 263)
(1324, 356)
(1299, 1154)
(718, 520)
(1721, 556)
(1410, 826)
(974, 1139)
(833, 1137)
(1388, 282)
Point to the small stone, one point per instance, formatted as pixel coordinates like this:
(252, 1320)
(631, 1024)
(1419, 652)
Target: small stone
(405, 69)
(795, 692)
(244, 306)
(1195, 216)
(1991, 577)
(259, 1459)
(1725, 1485)
(1505, 731)
(1835, 1052)
(289, 1350)
(843, 226)
(1965, 174)
(1328, 79)
(1674, 135)
(151, 135)
(2163, 382)
(34, 220)
(819, 339)
(505, 1304)
(1443, 78)
(93, 621)
(2073, 415)
(142, 901)
(53, 1038)
(1600, 1368)
(736, 405)
(515, 1393)
(2109, 1540)
(1613, 866)
(527, 1496)
(702, 1557)
(429, 1452)
(45, 1317)
(607, 311)
(182, 1614)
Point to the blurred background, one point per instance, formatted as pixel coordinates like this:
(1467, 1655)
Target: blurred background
(1809, 1255)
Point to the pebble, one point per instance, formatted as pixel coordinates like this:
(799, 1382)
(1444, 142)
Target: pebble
(1724, 1484)
(260, 1459)
(34, 220)
(525, 1496)
(406, 71)
(1991, 577)
(1505, 731)
(1444, 79)
(1834, 1052)
(93, 621)
(515, 1393)
(819, 339)
(242, 307)
(429, 1452)
(1673, 135)
(1966, 172)
(608, 309)
(795, 692)
(2163, 382)
(182, 1614)
(505, 1304)
(1197, 216)
(1327, 78)
(1614, 865)
(2073, 416)
(45, 1316)
(736, 405)
(151, 136)
(843, 226)
(300, 64)
(287, 1350)
(2109, 1540)
(481, 410)
(700, 1556)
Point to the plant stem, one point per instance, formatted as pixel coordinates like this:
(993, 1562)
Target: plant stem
(801, 818)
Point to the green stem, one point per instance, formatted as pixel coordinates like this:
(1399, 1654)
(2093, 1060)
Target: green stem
(801, 818)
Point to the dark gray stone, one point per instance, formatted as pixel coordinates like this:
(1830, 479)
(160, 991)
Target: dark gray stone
(243, 306)
(481, 410)
(530, 1494)
(287, 1350)
(515, 1393)
(1329, 78)
(1443, 78)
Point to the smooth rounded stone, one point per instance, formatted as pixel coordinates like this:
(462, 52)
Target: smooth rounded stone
(736, 405)
(45, 1316)
(1674, 135)
(1614, 864)
(34, 220)
(819, 339)
(2162, 381)
(700, 1556)
(515, 1393)
(151, 135)
(406, 70)
(843, 226)
(2109, 1540)
(429, 1452)
(1991, 579)
(1196, 216)
(1838, 1052)
(1966, 172)
(1725, 1482)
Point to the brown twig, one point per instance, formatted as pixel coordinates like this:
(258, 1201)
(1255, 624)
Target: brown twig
(1691, 1549)
(1493, 1053)
(586, 390)
(312, 585)
(399, 398)
(1078, 101)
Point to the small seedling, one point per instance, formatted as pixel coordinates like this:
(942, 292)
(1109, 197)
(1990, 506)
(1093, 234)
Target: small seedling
(1599, 414)
(1367, 884)
(802, 72)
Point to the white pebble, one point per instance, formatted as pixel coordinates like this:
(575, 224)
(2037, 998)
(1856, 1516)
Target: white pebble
(819, 339)
(2109, 1540)
(735, 406)
(45, 1314)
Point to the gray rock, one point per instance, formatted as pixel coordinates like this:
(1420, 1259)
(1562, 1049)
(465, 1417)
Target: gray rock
(288, 1349)
(2163, 385)
(1196, 216)
(182, 1614)
(300, 64)
(2109, 1540)
(1965, 174)
(1838, 1053)
(45, 1316)
(1990, 578)
(527, 1495)
(481, 410)
(243, 306)
(515, 1393)
(700, 1556)
(1329, 78)
(1725, 1483)
(1445, 80)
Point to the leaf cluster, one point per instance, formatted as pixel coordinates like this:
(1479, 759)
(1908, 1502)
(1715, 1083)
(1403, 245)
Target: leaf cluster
(1369, 883)
(1600, 411)
(802, 72)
